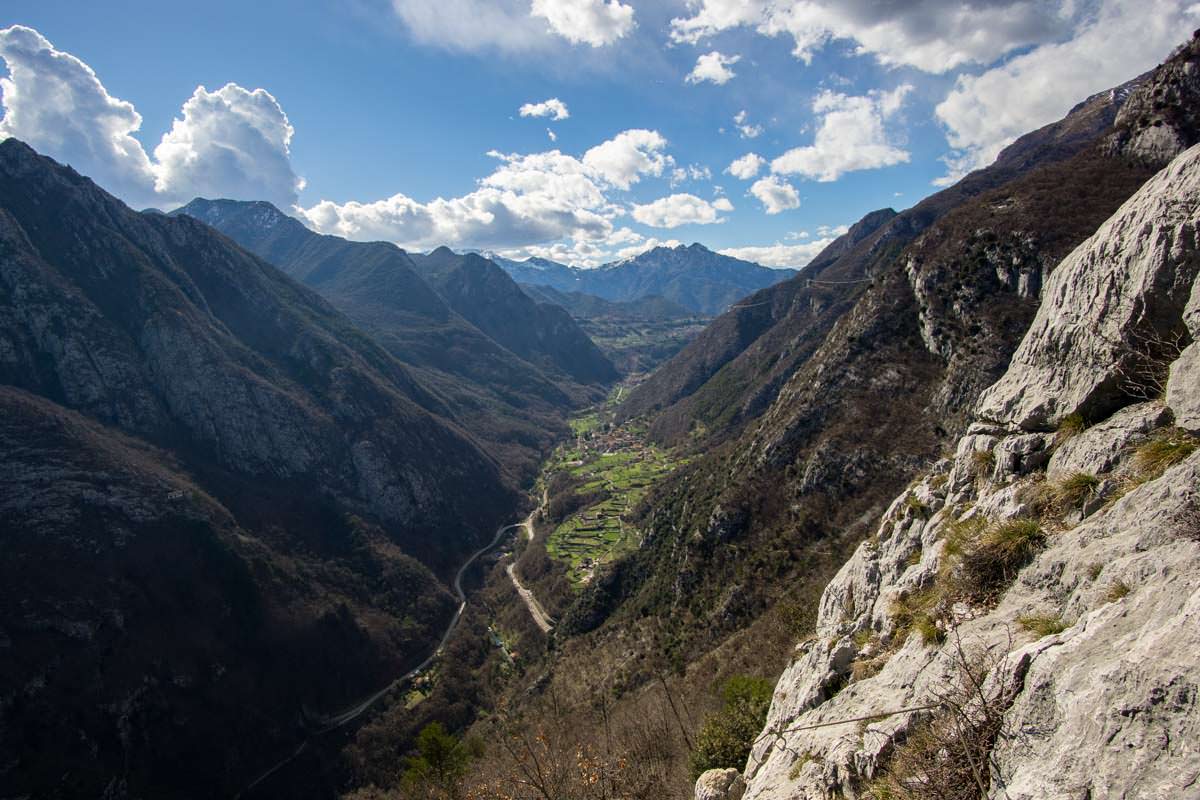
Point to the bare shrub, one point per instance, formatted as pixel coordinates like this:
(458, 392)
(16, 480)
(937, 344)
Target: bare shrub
(1147, 359)
(949, 755)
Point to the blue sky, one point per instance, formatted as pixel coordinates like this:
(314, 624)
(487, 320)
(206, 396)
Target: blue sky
(400, 120)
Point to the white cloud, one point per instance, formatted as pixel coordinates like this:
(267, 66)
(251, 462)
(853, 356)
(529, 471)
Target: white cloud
(528, 202)
(593, 254)
(745, 129)
(850, 136)
(504, 25)
(54, 102)
(592, 22)
(713, 67)
(984, 113)
(713, 16)
(776, 195)
(644, 246)
(553, 108)
(779, 255)
(622, 160)
(528, 199)
(832, 230)
(931, 35)
(681, 209)
(553, 136)
(692, 172)
(228, 143)
(746, 167)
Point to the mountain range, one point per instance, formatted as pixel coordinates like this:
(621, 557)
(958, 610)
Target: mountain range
(942, 484)
(507, 368)
(210, 476)
(859, 446)
(691, 276)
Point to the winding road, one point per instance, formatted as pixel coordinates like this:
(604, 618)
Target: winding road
(323, 725)
(540, 617)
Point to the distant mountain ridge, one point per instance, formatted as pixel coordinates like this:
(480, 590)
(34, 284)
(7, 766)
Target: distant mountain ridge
(691, 275)
(580, 304)
(542, 333)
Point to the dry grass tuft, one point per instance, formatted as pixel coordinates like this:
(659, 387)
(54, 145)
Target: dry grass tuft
(1165, 448)
(1042, 625)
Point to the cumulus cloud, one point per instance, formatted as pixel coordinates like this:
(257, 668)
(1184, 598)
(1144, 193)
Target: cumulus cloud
(850, 136)
(553, 108)
(645, 245)
(930, 35)
(746, 167)
(779, 255)
(529, 200)
(513, 26)
(776, 195)
(628, 242)
(624, 159)
(745, 129)
(592, 22)
(984, 113)
(681, 209)
(713, 67)
(534, 198)
(228, 143)
(56, 103)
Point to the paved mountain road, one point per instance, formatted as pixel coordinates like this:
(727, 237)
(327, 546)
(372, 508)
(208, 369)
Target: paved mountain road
(323, 725)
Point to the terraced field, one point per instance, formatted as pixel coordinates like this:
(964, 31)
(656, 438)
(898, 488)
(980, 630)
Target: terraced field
(621, 468)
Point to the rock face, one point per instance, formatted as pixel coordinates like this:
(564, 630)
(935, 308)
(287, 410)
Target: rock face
(720, 784)
(1088, 637)
(1161, 117)
(1138, 268)
(1183, 384)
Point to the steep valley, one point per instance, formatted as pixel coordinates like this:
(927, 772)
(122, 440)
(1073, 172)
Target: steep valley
(920, 520)
(803, 419)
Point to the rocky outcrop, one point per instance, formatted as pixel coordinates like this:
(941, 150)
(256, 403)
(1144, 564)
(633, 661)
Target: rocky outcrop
(1161, 118)
(1060, 571)
(720, 784)
(1183, 383)
(1138, 271)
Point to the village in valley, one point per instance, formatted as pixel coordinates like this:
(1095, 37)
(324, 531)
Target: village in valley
(609, 468)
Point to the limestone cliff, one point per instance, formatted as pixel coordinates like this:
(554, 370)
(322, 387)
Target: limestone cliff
(1025, 617)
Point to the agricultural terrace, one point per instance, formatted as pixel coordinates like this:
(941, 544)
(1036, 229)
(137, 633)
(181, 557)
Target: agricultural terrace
(615, 468)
